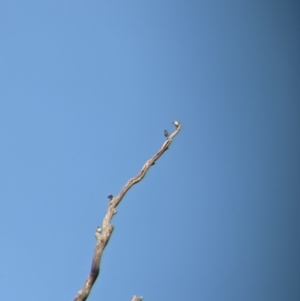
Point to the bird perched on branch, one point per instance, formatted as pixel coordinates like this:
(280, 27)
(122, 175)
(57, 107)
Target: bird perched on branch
(166, 133)
(176, 123)
(110, 197)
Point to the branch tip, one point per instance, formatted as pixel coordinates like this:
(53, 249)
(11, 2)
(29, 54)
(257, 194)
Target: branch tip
(137, 298)
(176, 123)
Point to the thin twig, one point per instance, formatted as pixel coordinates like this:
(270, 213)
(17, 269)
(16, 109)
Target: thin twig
(103, 233)
(136, 298)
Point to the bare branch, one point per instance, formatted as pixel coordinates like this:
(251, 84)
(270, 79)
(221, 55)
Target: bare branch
(137, 298)
(103, 234)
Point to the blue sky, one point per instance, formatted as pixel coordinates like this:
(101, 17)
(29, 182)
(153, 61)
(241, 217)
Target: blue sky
(86, 90)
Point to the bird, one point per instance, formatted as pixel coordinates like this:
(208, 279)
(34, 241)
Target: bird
(166, 133)
(110, 197)
(176, 123)
(99, 230)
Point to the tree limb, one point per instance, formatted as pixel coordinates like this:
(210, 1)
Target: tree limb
(136, 298)
(103, 234)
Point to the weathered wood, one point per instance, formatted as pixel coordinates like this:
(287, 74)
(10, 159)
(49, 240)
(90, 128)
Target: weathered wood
(103, 233)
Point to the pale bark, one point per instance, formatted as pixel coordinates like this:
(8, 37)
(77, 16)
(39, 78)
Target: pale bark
(103, 233)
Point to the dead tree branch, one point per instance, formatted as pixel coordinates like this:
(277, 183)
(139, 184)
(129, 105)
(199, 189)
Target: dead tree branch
(103, 233)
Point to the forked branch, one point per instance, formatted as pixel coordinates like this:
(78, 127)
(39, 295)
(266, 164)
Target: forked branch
(103, 233)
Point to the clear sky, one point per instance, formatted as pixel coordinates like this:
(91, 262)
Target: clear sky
(86, 91)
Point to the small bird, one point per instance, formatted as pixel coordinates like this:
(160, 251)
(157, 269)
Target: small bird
(110, 197)
(176, 123)
(166, 133)
(99, 230)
